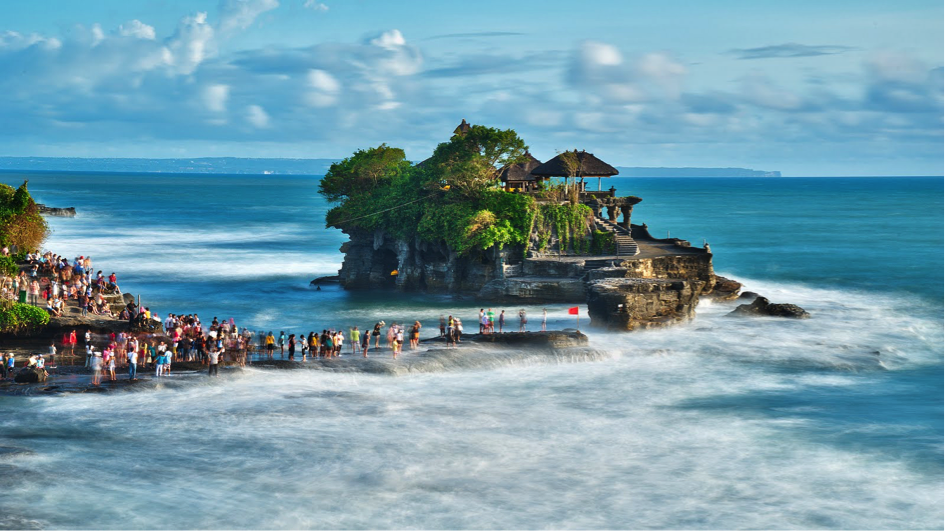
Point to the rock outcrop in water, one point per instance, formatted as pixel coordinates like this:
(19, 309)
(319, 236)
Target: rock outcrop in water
(762, 306)
(631, 303)
(68, 212)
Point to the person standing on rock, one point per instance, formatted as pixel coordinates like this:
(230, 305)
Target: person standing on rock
(132, 364)
(214, 356)
(291, 347)
(544, 319)
(282, 339)
(355, 336)
(482, 320)
(270, 344)
(376, 333)
(522, 320)
(365, 342)
(442, 325)
(501, 320)
(415, 335)
(96, 369)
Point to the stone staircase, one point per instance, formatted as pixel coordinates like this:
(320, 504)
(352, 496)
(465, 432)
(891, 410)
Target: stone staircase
(626, 246)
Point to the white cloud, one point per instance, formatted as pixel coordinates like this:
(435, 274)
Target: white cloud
(389, 40)
(315, 5)
(326, 88)
(215, 97)
(97, 34)
(240, 14)
(136, 28)
(599, 53)
(191, 44)
(257, 116)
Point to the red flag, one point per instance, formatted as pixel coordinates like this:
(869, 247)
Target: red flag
(573, 311)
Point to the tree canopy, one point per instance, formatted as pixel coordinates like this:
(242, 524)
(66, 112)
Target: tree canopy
(454, 196)
(20, 221)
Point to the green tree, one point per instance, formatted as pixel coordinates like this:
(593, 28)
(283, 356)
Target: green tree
(470, 163)
(362, 172)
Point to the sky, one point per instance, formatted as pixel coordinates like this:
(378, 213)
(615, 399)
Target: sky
(810, 88)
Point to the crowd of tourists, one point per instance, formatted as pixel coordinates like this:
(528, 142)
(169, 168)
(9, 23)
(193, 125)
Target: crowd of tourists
(158, 344)
(50, 280)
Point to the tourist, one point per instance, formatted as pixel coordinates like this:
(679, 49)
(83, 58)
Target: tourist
(522, 320)
(97, 369)
(482, 321)
(544, 319)
(391, 332)
(339, 342)
(214, 357)
(458, 329)
(52, 353)
(111, 367)
(3, 366)
(132, 364)
(491, 316)
(291, 347)
(365, 342)
(442, 325)
(281, 343)
(377, 335)
(11, 364)
(270, 344)
(355, 336)
(501, 320)
(415, 335)
(398, 340)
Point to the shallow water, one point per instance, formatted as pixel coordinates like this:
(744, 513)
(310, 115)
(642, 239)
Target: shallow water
(832, 422)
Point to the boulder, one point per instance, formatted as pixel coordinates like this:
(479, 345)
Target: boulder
(764, 307)
(748, 296)
(630, 303)
(30, 375)
(725, 289)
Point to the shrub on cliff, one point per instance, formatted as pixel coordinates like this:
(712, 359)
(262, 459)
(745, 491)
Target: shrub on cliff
(20, 221)
(17, 318)
(8, 266)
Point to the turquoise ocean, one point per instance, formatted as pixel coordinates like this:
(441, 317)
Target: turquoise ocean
(830, 423)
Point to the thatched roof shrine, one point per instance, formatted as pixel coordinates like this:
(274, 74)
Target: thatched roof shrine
(462, 128)
(521, 171)
(588, 166)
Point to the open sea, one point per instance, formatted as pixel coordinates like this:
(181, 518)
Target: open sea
(830, 423)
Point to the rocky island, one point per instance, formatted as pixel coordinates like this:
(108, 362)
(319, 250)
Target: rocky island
(483, 217)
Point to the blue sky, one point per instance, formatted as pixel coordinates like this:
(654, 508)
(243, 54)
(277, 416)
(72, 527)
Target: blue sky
(808, 88)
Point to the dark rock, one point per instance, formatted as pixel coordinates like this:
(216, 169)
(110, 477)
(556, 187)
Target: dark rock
(748, 296)
(68, 212)
(551, 338)
(762, 306)
(325, 280)
(725, 289)
(30, 375)
(630, 303)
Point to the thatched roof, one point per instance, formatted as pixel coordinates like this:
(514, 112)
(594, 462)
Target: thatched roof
(521, 171)
(589, 166)
(462, 128)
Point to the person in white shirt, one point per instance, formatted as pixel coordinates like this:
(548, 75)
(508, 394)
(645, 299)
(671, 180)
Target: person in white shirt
(132, 364)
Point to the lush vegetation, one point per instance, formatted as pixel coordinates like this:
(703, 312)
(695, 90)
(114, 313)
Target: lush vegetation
(20, 221)
(8, 266)
(16, 318)
(454, 196)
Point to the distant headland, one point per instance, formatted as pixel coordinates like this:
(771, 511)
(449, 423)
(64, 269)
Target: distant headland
(285, 166)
